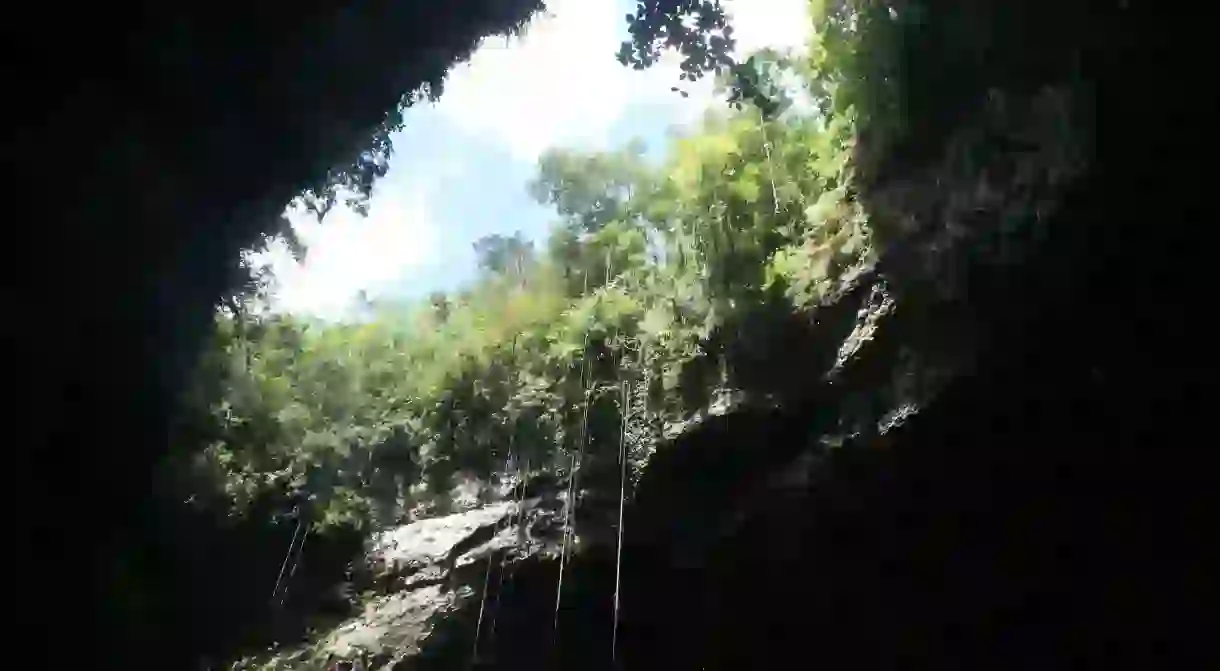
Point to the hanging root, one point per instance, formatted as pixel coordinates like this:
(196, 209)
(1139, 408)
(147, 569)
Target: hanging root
(762, 128)
(504, 555)
(570, 507)
(478, 627)
(622, 498)
(292, 544)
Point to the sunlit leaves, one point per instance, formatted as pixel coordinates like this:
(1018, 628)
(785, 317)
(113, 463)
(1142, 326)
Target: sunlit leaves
(657, 322)
(386, 415)
(696, 29)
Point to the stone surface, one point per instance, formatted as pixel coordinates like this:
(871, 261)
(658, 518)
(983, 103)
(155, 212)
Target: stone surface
(428, 541)
(425, 570)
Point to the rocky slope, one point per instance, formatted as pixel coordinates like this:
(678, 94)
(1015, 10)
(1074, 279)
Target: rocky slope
(492, 572)
(418, 574)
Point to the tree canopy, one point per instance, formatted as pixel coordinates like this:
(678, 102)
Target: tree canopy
(379, 420)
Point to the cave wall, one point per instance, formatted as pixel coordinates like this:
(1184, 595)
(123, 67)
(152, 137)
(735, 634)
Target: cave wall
(153, 142)
(1036, 513)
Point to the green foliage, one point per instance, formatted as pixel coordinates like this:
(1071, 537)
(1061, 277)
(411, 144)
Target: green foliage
(380, 419)
(697, 29)
(509, 256)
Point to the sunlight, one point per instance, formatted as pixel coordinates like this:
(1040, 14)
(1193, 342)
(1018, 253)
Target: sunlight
(558, 85)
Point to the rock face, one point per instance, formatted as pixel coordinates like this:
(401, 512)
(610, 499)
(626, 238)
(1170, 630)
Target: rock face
(422, 572)
(726, 514)
(492, 573)
(910, 476)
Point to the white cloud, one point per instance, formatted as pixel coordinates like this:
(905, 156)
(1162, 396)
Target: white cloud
(769, 23)
(349, 254)
(558, 85)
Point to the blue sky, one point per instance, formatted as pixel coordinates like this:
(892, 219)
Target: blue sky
(461, 165)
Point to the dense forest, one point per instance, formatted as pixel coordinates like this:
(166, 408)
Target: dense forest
(600, 338)
(646, 262)
(643, 284)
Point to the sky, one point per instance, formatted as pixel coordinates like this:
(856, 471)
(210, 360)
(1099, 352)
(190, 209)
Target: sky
(461, 165)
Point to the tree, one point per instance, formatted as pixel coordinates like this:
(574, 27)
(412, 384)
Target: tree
(386, 414)
(590, 190)
(697, 29)
(504, 255)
